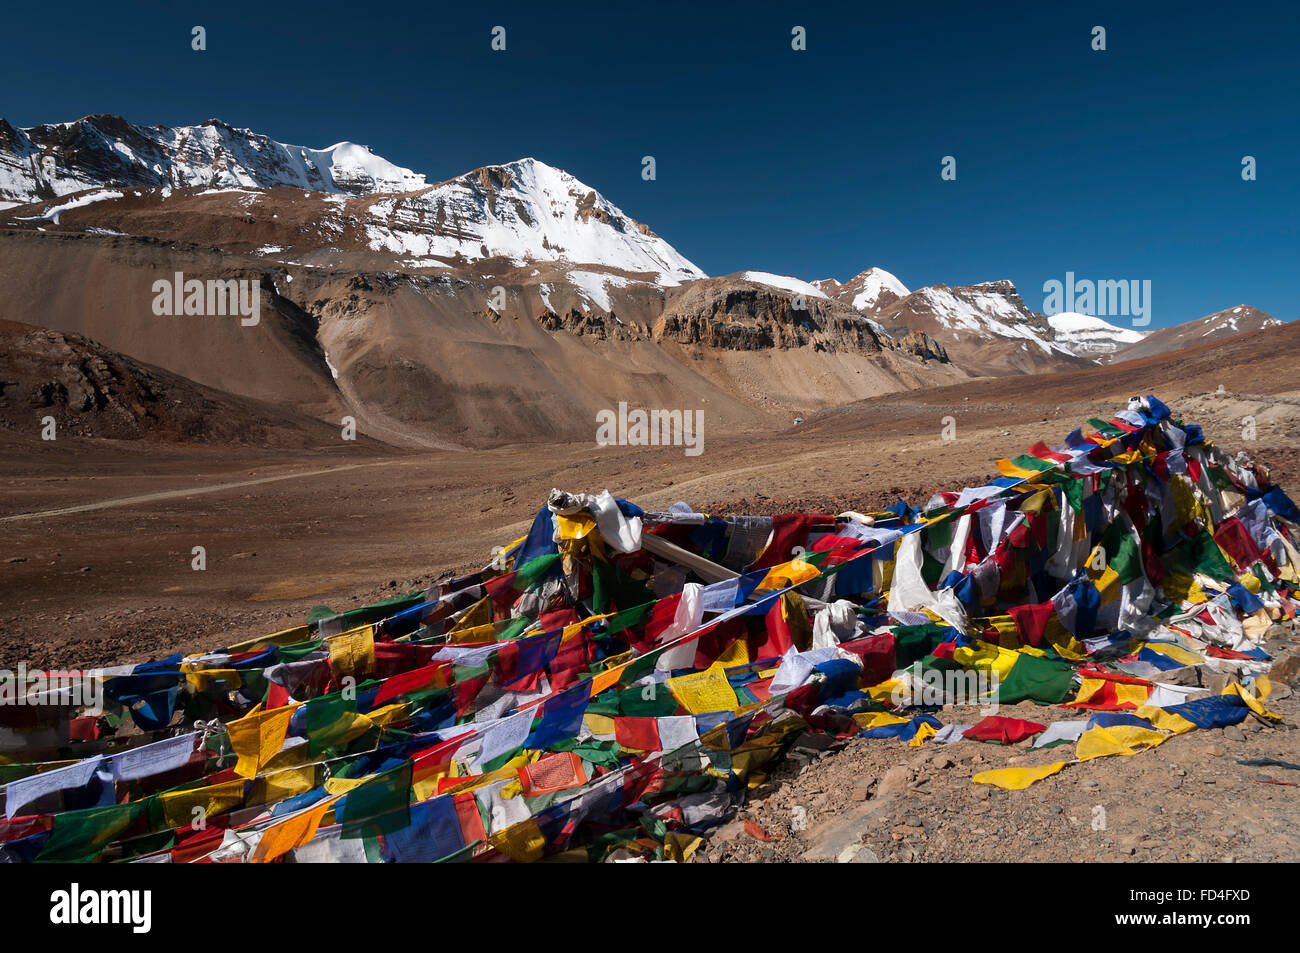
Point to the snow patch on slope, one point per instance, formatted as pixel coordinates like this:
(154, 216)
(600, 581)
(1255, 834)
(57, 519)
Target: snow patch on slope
(54, 214)
(595, 286)
(784, 283)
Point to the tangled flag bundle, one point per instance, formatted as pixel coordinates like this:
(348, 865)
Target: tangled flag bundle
(615, 681)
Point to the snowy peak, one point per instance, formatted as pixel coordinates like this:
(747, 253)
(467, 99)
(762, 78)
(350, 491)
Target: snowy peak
(524, 210)
(874, 289)
(1089, 335)
(987, 326)
(985, 311)
(869, 291)
(56, 159)
(356, 170)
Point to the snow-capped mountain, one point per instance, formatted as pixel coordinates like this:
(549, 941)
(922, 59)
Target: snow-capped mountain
(869, 291)
(524, 224)
(986, 326)
(526, 211)
(982, 312)
(56, 159)
(1090, 336)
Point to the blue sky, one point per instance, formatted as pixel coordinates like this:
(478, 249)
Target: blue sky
(1122, 164)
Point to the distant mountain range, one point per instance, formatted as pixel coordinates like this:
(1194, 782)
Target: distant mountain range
(389, 294)
(56, 159)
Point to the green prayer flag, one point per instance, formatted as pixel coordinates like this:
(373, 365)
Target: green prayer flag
(328, 719)
(380, 806)
(629, 618)
(514, 628)
(914, 642)
(531, 573)
(1036, 679)
(80, 836)
(298, 650)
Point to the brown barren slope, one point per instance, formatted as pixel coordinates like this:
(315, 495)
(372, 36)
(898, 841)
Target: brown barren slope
(91, 391)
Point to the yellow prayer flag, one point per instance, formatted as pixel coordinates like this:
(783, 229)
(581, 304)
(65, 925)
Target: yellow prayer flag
(214, 679)
(1098, 742)
(257, 738)
(923, 734)
(877, 719)
(344, 785)
(988, 657)
(1037, 503)
(575, 526)
(391, 714)
(479, 614)
(352, 653)
(425, 780)
(679, 847)
(475, 633)
(737, 653)
(299, 633)
(1165, 720)
(179, 806)
(1017, 779)
(884, 692)
(1175, 652)
(792, 573)
(599, 724)
(1008, 631)
(522, 842)
(1251, 701)
(278, 785)
(704, 692)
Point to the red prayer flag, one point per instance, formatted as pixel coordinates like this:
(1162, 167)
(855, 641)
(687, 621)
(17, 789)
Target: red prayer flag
(637, 732)
(1031, 621)
(1001, 730)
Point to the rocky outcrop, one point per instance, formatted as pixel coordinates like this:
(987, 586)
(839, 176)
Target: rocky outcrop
(747, 316)
(923, 346)
(88, 390)
(605, 327)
